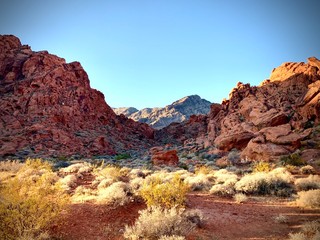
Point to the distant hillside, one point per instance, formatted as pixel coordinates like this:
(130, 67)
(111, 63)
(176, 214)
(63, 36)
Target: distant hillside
(127, 111)
(178, 111)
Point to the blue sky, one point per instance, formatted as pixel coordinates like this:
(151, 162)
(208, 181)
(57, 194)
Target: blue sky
(149, 53)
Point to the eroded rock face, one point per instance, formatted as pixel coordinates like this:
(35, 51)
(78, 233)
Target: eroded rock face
(48, 108)
(272, 119)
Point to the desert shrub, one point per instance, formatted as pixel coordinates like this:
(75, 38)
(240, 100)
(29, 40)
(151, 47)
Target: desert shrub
(223, 190)
(309, 198)
(307, 170)
(166, 194)
(136, 173)
(293, 159)
(198, 182)
(117, 194)
(203, 170)
(277, 182)
(234, 156)
(310, 231)
(28, 205)
(262, 167)
(281, 218)
(311, 227)
(10, 166)
(8, 169)
(308, 183)
(122, 156)
(136, 183)
(224, 175)
(112, 172)
(68, 182)
(240, 198)
(156, 222)
(298, 236)
(77, 168)
(83, 194)
(225, 182)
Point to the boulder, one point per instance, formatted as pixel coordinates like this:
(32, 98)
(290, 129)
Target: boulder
(263, 151)
(168, 157)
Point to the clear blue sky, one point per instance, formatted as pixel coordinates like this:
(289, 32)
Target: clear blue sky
(148, 53)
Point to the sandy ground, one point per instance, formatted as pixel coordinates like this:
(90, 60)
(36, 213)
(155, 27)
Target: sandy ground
(224, 219)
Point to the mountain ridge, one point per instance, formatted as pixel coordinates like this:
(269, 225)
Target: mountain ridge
(160, 117)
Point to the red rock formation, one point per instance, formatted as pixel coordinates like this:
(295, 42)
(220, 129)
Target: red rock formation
(269, 120)
(163, 157)
(48, 108)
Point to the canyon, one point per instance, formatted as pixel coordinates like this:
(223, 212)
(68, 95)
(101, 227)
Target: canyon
(48, 109)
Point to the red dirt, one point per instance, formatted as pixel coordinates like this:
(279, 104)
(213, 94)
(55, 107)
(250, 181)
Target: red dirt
(225, 219)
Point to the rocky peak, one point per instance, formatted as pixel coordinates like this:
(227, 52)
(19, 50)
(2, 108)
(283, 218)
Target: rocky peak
(49, 108)
(127, 111)
(178, 111)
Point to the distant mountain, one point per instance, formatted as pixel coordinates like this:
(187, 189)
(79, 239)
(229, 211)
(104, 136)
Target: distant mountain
(127, 111)
(178, 111)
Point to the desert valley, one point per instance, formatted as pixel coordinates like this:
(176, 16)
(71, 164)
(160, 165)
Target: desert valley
(72, 167)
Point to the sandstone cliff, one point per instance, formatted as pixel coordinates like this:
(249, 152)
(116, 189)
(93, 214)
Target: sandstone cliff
(49, 109)
(177, 112)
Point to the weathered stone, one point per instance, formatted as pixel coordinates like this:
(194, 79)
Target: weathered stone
(263, 152)
(169, 157)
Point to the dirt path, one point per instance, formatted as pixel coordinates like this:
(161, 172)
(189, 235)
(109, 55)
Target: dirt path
(224, 219)
(89, 221)
(252, 220)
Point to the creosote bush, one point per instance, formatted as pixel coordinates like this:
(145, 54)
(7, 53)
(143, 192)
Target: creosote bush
(29, 203)
(167, 194)
(156, 222)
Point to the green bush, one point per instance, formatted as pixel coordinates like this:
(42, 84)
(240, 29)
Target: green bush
(293, 159)
(122, 156)
(165, 194)
(30, 201)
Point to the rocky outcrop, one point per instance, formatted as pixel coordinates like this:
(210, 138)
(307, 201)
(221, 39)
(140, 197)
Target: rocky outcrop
(49, 109)
(177, 112)
(272, 119)
(159, 156)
